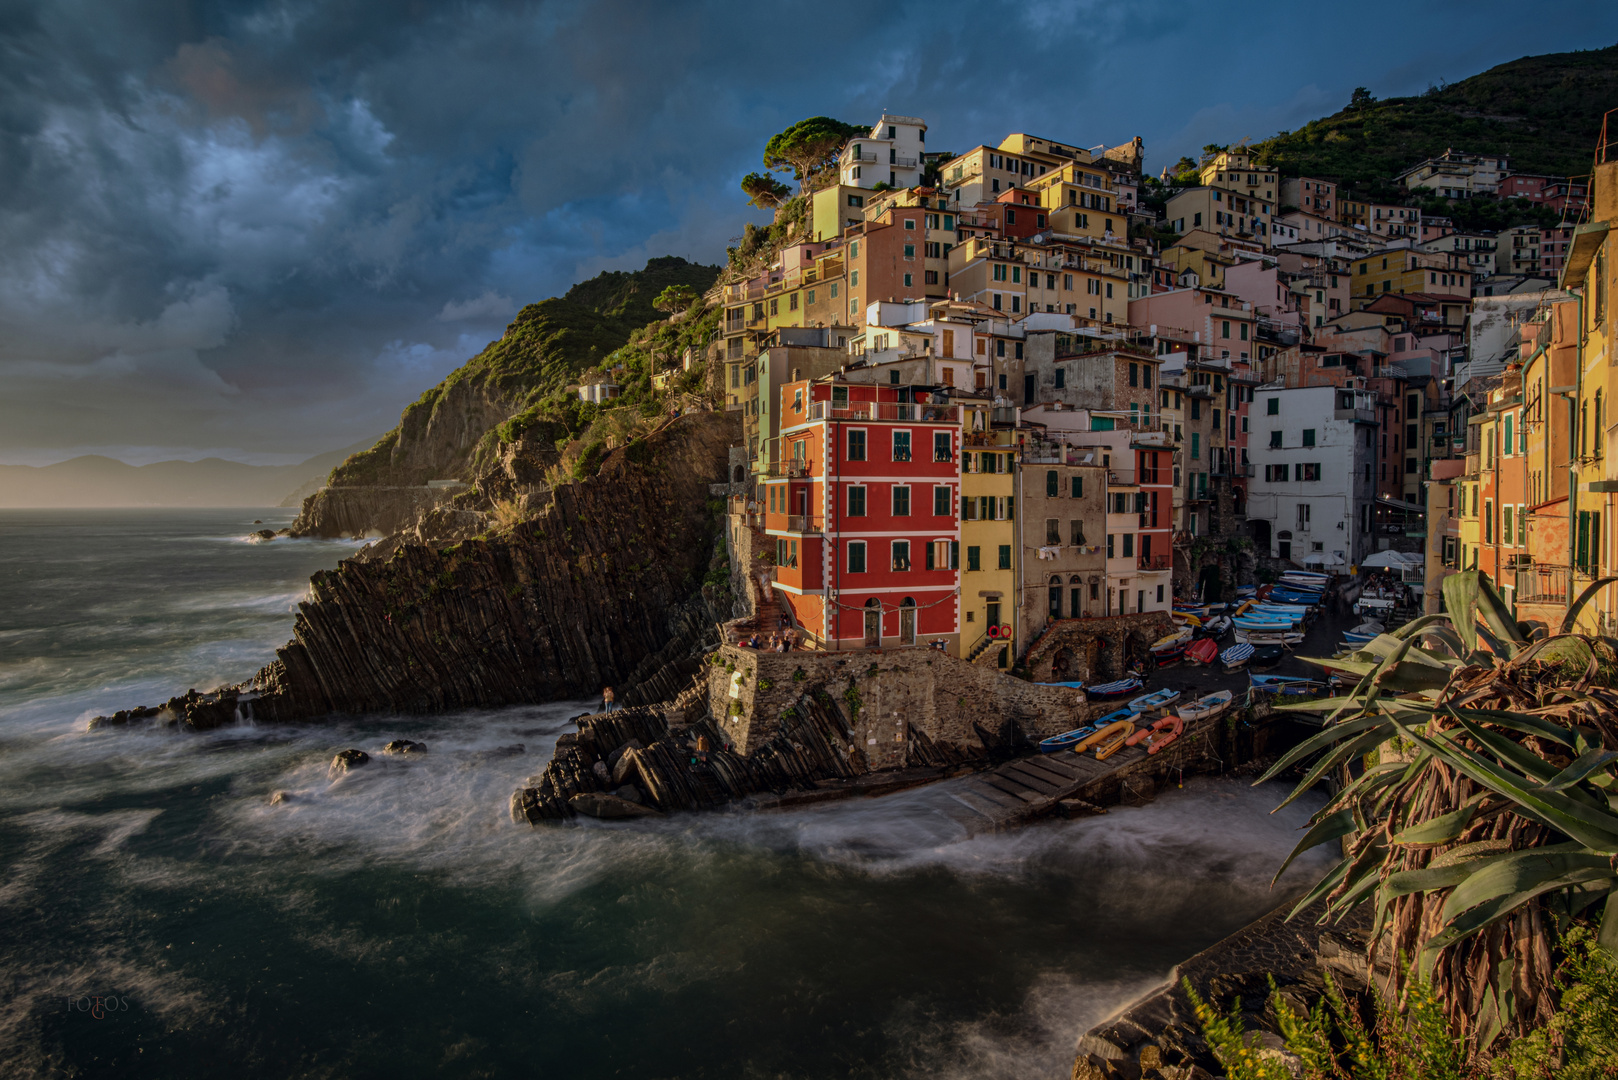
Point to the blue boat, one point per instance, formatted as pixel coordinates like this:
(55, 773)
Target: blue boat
(1111, 691)
(1074, 685)
(1357, 639)
(1066, 739)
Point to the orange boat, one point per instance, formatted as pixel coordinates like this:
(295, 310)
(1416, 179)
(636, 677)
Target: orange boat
(1164, 732)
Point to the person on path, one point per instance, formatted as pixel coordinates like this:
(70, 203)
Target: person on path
(606, 699)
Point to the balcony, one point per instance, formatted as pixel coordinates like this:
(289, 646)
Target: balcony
(1543, 583)
(790, 469)
(885, 410)
(803, 523)
(1358, 416)
(903, 162)
(863, 157)
(1155, 562)
(1122, 478)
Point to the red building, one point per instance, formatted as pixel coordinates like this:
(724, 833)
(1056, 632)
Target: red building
(863, 508)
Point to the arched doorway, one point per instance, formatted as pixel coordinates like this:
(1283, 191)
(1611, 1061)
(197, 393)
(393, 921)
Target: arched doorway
(873, 623)
(738, 475)
(1092, 659)
(907, 621)
(1055, 594)
(1075, 595)
(1283, 544)
(1062, 665)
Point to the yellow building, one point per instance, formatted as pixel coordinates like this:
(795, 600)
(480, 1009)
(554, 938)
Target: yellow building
(1209, 266)
(1233, 170)
(989, 590)
(1591, 272)
(1402, 270)
(833, 209)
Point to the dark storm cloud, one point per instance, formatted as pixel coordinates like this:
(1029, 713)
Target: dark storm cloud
(268, 226)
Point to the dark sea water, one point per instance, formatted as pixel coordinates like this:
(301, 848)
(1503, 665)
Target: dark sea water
(396, 923)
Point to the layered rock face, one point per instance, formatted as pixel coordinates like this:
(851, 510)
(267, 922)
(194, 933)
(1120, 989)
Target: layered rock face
(604, 587)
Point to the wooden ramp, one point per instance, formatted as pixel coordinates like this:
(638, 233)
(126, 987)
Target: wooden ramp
(1019, 791)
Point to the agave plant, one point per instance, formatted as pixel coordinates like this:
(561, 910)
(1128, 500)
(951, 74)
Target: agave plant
(1477, 803)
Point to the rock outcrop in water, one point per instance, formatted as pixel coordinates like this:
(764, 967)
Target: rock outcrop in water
(617, 582)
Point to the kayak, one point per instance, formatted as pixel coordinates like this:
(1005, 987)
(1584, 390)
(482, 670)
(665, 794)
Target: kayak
(1171, 640)
(1237, 655)
(1205, 707)
(1122, 688)
(1202, 652)
(1155, 700)
(1119, 729)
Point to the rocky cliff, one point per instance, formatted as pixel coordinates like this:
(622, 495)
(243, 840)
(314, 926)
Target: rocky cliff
(619, 581)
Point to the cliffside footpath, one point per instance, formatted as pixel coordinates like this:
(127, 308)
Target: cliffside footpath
(508, 417)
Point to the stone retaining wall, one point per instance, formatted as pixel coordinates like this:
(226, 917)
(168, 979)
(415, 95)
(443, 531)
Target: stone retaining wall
(886, 692)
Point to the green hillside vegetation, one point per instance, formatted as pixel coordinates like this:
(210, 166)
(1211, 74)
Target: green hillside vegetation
(548, 346)
(1542, 111)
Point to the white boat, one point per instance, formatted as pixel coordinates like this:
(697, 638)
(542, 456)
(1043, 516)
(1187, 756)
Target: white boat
(1205, 707)
(1262, 637)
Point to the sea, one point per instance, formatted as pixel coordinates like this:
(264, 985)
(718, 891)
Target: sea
(161, 917)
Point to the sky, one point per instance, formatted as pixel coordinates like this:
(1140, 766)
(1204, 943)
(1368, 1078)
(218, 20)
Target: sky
(259, 230)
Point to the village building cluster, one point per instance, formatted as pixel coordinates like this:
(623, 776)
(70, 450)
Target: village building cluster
(983, 394)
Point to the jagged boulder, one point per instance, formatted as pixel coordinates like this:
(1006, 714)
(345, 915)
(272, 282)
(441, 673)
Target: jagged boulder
(347, 761)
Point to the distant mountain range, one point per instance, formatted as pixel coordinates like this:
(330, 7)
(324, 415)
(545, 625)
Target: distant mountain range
(95, 481)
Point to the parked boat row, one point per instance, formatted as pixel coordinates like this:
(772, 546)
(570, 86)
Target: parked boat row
(1108, 734)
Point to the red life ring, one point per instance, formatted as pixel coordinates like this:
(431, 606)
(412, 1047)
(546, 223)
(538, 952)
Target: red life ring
(994, 631)
(1005, 631)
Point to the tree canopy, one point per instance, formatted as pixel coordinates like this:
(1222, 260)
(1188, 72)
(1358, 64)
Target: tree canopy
(809, 146)
(675, 298)
(765, 191)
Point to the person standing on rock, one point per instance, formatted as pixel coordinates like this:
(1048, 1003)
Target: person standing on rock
(606, 699)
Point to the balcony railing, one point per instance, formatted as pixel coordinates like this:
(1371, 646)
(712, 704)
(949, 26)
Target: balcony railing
(803, 523)
(1359, 416)
(1155, 562)
(903, 162)
(1122, 478)
(1543, 584)
(863, 156)
(883, 410)
(791, 468)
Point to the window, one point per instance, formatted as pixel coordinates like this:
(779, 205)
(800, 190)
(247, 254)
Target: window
(856, 500)
(941, 446)
(1005, 557)
(1275, 472)
(1061, 378)
(1076, 532)
(1078, 487)
(901, 500)
(1129, 545)
(910, 279)
(910, 250)
(1053, 484)
(1110, 539)
(856, 445)
(1308, 436)
(1275, 439)
(1053, 532)
(942, 502)
(1272, 406)
(1196, 445)
(973, 558)
(901, 555)
(1309, 470)
(901, 444)
(856, 557)
(1224, 328)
